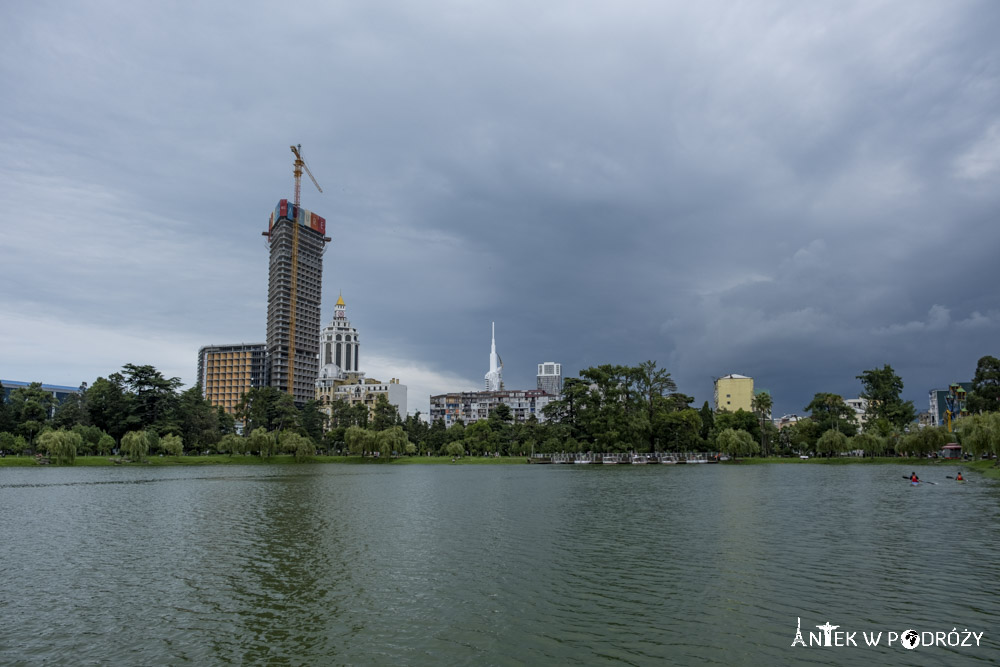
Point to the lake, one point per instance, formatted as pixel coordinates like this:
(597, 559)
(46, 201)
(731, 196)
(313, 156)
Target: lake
(501, 565)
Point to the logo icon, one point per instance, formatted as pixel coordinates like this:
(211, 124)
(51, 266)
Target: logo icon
(910, 639)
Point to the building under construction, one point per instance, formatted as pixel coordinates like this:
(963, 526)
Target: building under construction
(297, 240)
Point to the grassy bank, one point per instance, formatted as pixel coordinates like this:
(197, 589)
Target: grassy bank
(283, 459)
(852, 460)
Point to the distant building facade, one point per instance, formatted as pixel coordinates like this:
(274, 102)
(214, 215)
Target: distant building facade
(859, 406)
(734, 392)
(59, 392)
(226, 372)
(471, 406)
(341, 379)
(549, 378)
(942, 400)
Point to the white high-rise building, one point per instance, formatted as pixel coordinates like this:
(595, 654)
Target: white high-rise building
(341, 377)
(550, 378)
(339, 343)
(494, 378)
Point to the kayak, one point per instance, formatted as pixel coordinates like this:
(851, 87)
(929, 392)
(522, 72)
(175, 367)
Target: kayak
(914, 483)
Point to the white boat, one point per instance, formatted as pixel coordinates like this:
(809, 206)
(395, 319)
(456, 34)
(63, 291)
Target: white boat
(609, 460)
(580, 461)
(639, 460)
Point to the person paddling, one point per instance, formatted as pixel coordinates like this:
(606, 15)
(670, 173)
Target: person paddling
(959, 478)
(914, 479)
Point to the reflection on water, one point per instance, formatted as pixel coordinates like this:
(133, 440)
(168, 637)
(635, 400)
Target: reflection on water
(481, 564)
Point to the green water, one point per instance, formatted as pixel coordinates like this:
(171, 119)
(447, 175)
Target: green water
(505, 565)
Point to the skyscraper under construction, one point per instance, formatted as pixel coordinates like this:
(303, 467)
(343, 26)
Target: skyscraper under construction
(297, 239)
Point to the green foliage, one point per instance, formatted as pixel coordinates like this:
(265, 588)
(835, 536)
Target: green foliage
(925, 440)
(870, 443)
(231, 444)
(29, 408)
(707, 421)
(411, 449)
(980, 433)
(261, 442)
(678, 431)
(479, 438)
(741, 420)
(455, 449)
(172, 445)
(311, 421)
(105, 445)
(391, 441)
(135, 445)
(882, 388)
(802, 435)
(60, 446)
(199, 423)
(736, 443)
(356, 439)
(268, 408)
(830, 412)
(70, 413)
(832, 442)
(985, 394)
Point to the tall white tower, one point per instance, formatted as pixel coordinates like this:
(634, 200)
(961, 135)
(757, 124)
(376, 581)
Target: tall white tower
(494, 379)
(340, 345)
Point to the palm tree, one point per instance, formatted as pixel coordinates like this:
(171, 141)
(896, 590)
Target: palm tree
(761, 404)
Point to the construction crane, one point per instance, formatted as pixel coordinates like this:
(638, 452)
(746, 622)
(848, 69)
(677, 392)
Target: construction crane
(300, 164)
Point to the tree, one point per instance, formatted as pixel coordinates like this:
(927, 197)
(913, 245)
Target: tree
(925, 440)
(869, 443)
(198, 420)
(479, 438)
(882, 388)
(802, 435)
(261, 442)
(980, 433)
(230, 444)
(108, 407)
(678, 431)
(30, 407)
(154, 398)
(135, 445)
(70, 412)
(455, 448)
(707, 421)
(172, 445)
(829, 411)
(384, 414)
(831, 442)
(311, 421)
(268, 407)
(60, 445)
(652, 386)
(741, 420)
(736, 443)
(985, 395)
(356, 439)
(761, 405)
(391, 440)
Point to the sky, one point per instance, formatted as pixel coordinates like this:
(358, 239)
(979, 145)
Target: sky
(792, 191)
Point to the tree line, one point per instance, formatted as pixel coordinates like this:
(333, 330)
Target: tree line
(608, 408)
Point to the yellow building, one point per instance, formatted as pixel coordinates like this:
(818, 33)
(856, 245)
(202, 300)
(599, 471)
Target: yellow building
(226, 372)
(734, 392)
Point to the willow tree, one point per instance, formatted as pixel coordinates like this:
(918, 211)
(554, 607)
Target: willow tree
(135, 445)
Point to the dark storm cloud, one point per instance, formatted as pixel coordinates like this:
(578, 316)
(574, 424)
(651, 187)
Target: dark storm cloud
(793, 191)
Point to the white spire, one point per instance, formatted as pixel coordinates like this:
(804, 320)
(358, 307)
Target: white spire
(494, 378)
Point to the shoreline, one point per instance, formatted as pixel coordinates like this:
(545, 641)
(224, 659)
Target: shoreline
(984, 467)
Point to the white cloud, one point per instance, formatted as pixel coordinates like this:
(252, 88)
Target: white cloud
(982, 161)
